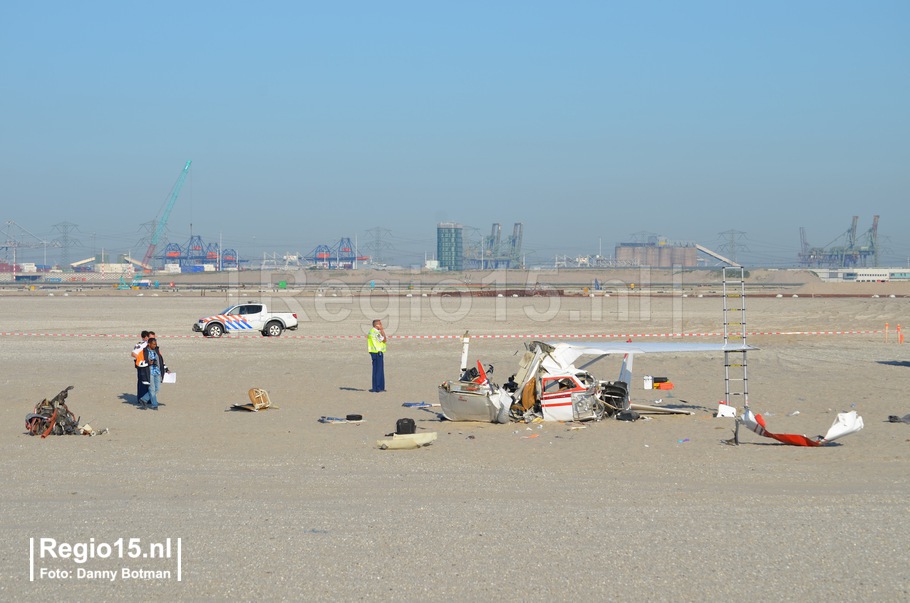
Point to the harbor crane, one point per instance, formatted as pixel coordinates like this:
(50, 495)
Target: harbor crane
(162, 222)
(855, 250)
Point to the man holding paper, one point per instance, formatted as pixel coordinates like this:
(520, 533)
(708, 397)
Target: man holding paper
(152, 372)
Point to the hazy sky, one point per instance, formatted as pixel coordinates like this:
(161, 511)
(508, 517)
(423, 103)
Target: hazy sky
(587, 121)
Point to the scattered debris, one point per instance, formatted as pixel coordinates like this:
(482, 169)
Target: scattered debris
(845, 424)
(53, 417)
(405, 426)
(897, 419)
(90, 431)
(259, 400)
(419, 405)
(725, 410)
(347, 419)
(407, 441)
(657, 382)
(627, 415)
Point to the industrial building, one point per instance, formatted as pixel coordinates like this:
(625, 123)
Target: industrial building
(863, 275)
(450, 246)
(658, 253)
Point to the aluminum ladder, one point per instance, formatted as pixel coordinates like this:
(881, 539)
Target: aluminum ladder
(736, 366)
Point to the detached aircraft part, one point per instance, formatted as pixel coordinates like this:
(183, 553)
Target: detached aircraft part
(468, 401)
(473, 397)
(52, 417)
(259, 400)
(845, 424)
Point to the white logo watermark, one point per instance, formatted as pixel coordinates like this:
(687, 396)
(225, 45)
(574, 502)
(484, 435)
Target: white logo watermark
(450, 299)
(118, 559)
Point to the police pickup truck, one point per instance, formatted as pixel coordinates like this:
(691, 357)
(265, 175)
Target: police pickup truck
(250, 316)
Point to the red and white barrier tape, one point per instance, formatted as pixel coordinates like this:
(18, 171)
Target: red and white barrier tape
(539, 336)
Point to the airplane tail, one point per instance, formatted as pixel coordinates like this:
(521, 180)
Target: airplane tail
(845, 424)
(481, 375)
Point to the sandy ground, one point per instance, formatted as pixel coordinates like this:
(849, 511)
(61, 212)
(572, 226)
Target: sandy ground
(276, 505)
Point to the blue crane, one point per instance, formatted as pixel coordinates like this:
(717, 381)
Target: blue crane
(162, 223)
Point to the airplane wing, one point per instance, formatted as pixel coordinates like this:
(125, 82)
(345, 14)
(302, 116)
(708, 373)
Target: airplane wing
(556, 356)
(567, 352)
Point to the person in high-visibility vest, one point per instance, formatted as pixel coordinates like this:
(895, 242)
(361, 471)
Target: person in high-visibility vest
(376, 344)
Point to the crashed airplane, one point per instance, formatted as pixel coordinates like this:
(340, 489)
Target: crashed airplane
(549, 385)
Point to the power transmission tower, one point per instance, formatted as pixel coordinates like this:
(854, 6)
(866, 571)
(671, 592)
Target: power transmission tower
(13, 239)
(65, 242)
(378, 244)
(147, 229)
(732, 244)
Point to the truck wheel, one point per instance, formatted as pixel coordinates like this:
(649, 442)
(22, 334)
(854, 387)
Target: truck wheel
(273, 329)
(214, 330)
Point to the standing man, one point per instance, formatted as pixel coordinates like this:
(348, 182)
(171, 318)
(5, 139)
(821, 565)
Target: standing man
(153, 371)
(376, 344)
(141, 388)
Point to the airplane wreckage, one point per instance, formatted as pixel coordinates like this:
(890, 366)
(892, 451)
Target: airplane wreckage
(549, 386)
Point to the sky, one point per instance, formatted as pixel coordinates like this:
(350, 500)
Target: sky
(592, 123)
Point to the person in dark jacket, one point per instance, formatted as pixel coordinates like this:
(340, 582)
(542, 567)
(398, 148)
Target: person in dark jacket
(141, 388)
(152, 372)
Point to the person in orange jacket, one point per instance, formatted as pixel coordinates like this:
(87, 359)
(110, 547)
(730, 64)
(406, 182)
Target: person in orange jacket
(151, 372)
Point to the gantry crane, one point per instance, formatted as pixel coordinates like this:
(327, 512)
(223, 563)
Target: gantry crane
(855, 251)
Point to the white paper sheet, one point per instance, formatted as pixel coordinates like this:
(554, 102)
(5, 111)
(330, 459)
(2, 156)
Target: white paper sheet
(169, 378)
